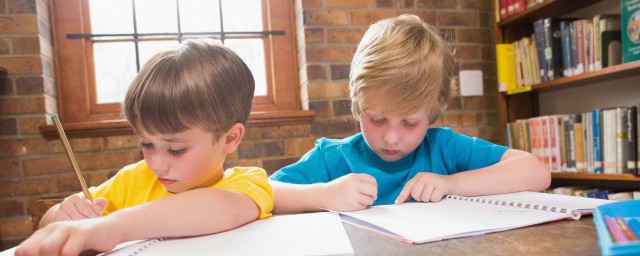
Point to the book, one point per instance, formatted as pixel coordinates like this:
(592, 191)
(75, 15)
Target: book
(630, 12)
(458, 216)
(506, 66)
(300, 234)
(610, 36)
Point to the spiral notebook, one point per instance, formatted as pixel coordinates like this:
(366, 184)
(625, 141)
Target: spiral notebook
(458, 216)
(301, 234)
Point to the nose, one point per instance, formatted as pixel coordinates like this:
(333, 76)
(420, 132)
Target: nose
(158, 164)
(391, 136)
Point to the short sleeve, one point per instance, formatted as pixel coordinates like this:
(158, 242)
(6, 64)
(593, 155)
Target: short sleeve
(465, 153)
(310, 169)
(251, 181)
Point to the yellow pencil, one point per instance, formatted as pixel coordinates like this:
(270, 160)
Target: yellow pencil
(72, 157)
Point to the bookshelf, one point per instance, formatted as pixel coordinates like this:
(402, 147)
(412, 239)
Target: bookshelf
(534, 102)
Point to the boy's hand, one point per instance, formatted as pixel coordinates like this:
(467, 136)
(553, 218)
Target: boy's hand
(426, 187)
(72, 238)
(351, 192)
(77, 207)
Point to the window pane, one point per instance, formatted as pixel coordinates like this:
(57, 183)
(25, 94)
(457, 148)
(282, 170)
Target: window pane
(113, 75)
(156, 16)
(199, 16)
(102, 20)
(148, 48)
(242, 15)
(252, 53)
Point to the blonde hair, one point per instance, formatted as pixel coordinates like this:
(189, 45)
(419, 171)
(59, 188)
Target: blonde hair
(401, 63)
(198, 84)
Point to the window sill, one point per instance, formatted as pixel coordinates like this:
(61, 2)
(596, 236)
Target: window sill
(122, 127)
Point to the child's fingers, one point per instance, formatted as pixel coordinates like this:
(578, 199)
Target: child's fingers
(52, 243)
(418, 190)
(86, 210)
(366, 199)
(99, 204)
(71, 211)
(367, 178)
(406, 191)
(73, 246)
(427, 192)
(369, 189)
(437, 195)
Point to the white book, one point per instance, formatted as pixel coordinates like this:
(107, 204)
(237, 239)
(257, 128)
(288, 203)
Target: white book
(457, 216)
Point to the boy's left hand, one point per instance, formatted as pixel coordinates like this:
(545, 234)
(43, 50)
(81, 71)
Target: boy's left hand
(72, 238)
(426, 187)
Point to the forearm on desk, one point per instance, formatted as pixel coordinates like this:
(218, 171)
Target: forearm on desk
(297, 198)
(516, 171)
(194, 212)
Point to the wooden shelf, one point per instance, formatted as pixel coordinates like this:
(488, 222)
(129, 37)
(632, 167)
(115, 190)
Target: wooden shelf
(605, 74)
(598, 177)
(548, 8)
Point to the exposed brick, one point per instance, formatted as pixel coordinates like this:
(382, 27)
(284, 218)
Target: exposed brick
(394, 3)
(467, 52)
(298, 146)
(323, 90)
(427, 4)
(457, 18)
(11, 188)
(51, 164)
(31, 125)
(27, 24)
(369, 17)
(474, 35)
(333, 127)
(490, 85)
(485, 102)
(128, 141)
(95, 178)
(15, 227)
(488, 68)
(104, 160)
(21, 65)
(486, 19)
(6, 86)
(47, 67)
(476, 5)
(448, 35)
(314, 35)
(30, 105)
(9, 168)
(42, 8)
(8, 127)
(242, 163)
(273, 165)
(471, 118)
(306, 4)
(280, 132)
(30, 85)
(22, 147)
(347, 3)
(452, 119)
(340, 71)
(329, 53)
(487, 52)
(321, 108)
(455, 103)
(342, 107)
(3, 6)
(445, 4)
(345, 35)
(78, 145)
(11, 208)
(326, 17)
(262, 149)
(316, 72)
(4, 45)
(22, 6)
(26, 45)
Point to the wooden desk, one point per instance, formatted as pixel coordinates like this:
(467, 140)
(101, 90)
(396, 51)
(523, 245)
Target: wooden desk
(567, 237)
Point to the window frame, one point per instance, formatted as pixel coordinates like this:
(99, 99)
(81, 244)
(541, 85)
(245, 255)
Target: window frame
(76, 83)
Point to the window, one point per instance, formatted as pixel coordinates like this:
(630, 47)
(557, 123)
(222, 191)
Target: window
(101, 44)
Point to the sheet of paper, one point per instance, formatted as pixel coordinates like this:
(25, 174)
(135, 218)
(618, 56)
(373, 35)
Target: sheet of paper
(301, 234)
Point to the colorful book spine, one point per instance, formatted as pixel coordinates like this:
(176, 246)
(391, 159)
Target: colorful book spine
(506, 66)
(630, 11)
(597, 141)
(538, 28)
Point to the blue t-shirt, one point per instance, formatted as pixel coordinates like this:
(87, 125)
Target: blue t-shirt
(442, 151)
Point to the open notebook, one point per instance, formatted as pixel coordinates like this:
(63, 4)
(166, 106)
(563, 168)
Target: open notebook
(301, 234)
(457, 216)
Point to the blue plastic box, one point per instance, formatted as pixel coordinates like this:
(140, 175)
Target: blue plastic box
(625, 209)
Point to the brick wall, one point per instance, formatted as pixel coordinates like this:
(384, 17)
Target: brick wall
(328, 32)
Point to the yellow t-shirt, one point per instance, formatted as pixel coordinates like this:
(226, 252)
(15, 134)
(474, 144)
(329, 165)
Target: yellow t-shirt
(137, 184)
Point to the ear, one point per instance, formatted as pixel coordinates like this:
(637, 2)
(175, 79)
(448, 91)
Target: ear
(233, 137)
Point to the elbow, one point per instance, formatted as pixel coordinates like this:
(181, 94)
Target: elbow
(543, 175)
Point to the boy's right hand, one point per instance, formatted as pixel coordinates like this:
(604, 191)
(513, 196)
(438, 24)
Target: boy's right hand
(77, 207)
(351, 192)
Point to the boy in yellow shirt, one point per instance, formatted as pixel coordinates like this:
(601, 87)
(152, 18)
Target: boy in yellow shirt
(188, 105)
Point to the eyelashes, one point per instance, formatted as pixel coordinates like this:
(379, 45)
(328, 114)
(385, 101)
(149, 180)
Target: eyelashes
(173, 152)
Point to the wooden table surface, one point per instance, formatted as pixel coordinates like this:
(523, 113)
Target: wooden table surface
(566, 237)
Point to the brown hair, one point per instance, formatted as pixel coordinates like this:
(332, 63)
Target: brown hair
(400, 66)
(198, 84)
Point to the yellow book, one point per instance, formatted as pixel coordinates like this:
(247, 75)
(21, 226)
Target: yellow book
(506, 66)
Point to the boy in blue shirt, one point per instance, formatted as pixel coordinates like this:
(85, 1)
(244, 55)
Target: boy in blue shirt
(400, 79)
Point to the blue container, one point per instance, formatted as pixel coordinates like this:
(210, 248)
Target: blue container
(625, 209)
